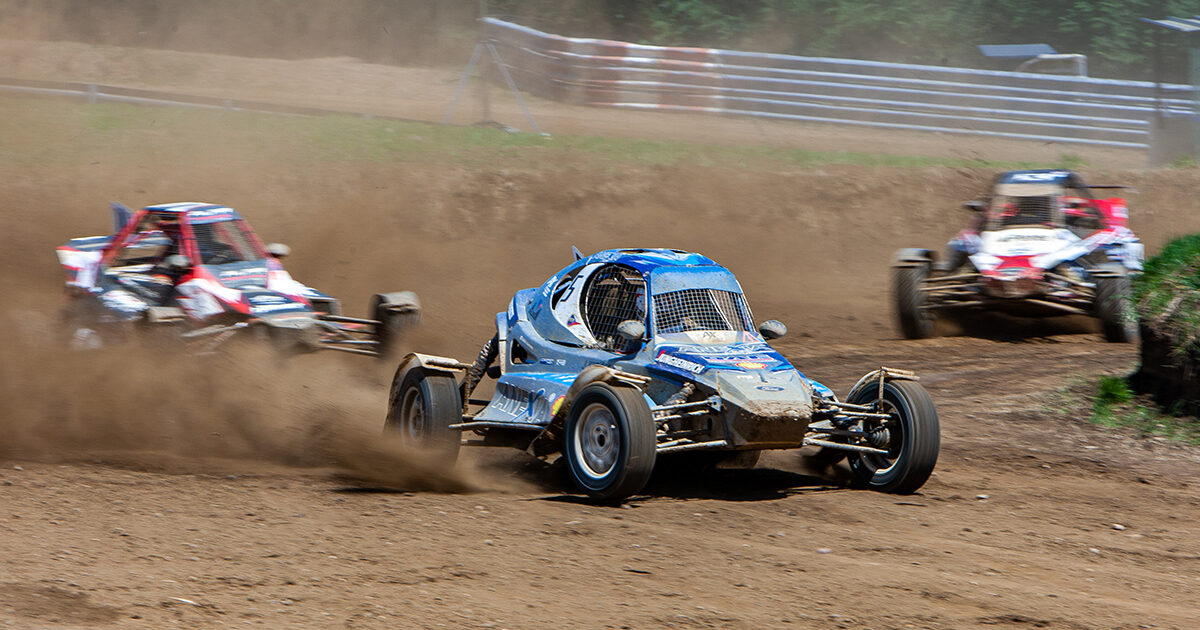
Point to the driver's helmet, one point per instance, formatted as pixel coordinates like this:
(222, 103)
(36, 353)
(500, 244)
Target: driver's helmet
(169, 226)
(1074, 205)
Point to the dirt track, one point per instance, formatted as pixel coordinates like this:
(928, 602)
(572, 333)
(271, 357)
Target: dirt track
(151, 493)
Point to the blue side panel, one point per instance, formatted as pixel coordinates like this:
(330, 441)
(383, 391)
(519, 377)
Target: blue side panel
(819, 389)
(527, 398)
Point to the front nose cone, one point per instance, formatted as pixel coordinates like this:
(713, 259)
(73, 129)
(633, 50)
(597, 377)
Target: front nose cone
(765, 408)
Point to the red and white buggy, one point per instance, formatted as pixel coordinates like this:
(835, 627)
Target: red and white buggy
(200, 269)
(1041, 243)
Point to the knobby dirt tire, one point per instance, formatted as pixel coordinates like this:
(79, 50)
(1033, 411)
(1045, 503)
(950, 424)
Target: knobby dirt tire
(421, 409)
(907, 300)
(1112, 308)
(609, 442)
(392, 327)
(915, 439)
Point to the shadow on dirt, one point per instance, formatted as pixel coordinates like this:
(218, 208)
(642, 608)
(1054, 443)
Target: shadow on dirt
(754, 484)
(675, 478)
(1011, 329)
(751, 484)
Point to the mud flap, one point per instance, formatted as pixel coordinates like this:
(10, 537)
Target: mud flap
(414, 360)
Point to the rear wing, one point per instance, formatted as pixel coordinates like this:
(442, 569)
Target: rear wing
(121, 214)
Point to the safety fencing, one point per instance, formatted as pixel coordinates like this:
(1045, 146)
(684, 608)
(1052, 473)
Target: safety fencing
(844, 91)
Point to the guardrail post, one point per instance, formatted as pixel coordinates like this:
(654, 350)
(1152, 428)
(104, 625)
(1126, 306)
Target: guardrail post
(93, 93)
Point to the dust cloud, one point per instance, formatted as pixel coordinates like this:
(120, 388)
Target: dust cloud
(148, 408)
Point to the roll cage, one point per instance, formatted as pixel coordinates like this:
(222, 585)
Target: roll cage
(615, 293)
(152, 235)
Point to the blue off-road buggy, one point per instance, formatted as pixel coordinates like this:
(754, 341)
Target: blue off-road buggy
(630, 355)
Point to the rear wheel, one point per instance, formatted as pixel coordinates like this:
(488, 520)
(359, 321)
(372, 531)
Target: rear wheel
(1112, 307)
(914, 321)
(911, 437)
(421, 410)
(394, 320)
(610, 443)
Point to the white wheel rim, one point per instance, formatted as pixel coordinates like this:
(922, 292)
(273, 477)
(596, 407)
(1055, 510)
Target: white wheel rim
(596, 440)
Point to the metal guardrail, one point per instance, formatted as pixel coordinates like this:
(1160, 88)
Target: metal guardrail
(1017, 105)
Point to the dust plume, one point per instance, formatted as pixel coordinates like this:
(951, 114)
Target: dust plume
(129, 404)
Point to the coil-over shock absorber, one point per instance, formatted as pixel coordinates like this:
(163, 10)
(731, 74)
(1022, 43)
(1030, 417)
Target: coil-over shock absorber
(487, 354)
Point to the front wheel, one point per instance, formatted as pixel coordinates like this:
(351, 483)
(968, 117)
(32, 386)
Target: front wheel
(911, 437)
(914, 321)
(610, 441)
(1112, 307)
(423, 405)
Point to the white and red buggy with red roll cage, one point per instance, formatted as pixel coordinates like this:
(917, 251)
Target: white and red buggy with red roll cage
(201, 269)
(1041, 243)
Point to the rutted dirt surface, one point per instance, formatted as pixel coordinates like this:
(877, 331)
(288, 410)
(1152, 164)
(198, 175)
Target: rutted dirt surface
(143, 491)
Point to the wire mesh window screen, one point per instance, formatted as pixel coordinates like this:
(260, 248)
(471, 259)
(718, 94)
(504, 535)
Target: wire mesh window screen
(222, 243)
(701, 309)
(1036, 210)
(612, 297)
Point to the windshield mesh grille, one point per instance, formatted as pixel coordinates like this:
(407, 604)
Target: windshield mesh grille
(1034, 210)
(611, 298)
(220, 243)
(701, 309)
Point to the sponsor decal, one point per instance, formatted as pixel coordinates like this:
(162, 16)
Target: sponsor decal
(751, 365)
(270, 308)
(1049, 176)
(267, 299)
(680, 363)
(740, 358)
(211, 213)
(573, 321)
(244, 271)
(121, 300)
(521, 403)
(1025, 237)
(769, 388)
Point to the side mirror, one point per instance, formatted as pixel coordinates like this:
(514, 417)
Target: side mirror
(772, 329)
(631, 332)
(177, 262)
(279, 250)
(974, 205)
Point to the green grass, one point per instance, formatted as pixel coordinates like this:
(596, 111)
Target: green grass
(1109, 402)
(73, 130)
(1115, 405)
(1183, 161)
(1071, 161)
(1167, 296)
